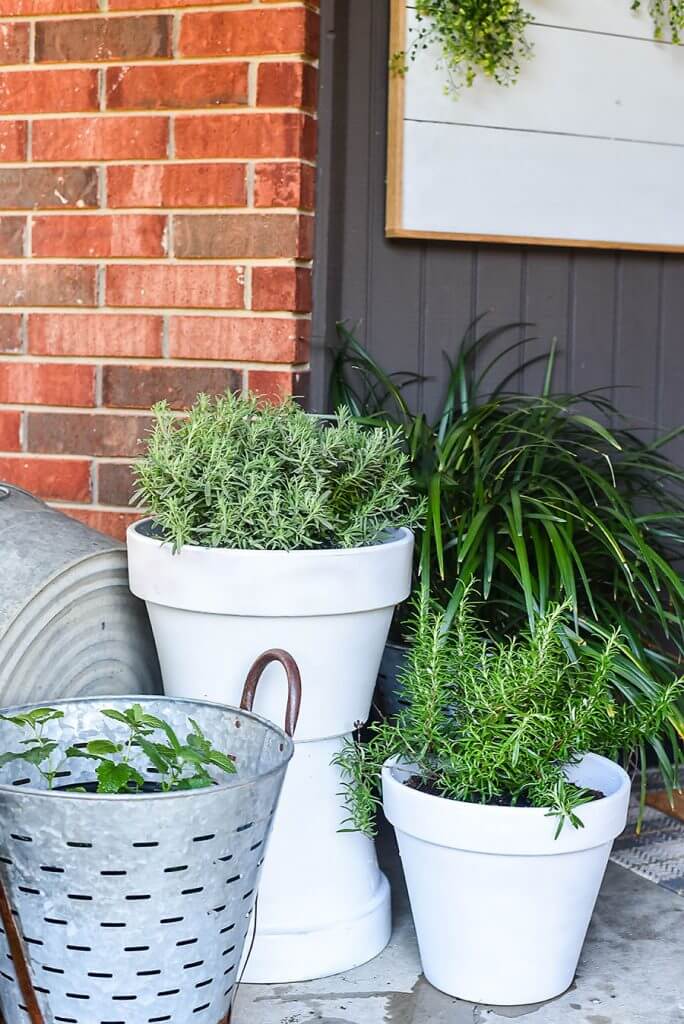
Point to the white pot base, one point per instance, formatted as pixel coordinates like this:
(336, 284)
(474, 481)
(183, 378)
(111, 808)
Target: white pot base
(280, 957)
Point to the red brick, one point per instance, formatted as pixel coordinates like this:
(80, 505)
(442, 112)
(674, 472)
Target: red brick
(96, 39)
(176, 87)
(12, 140)
(101, 138)
(139, 387)
(253, 339)
(114, 524)
(281, 184)
(17, 8)
(42, 92)
(10, 431)
(65, 479)
(246, 135)
(241, 236)
(170, 185)
(45, 284)
(94, 334)
(245, 33)
(115, 483)
(175, 285)
(10, 332)
(93, 236)
(287, 288)
(150, 5)
(33, 188)
(14, 43)
(46, 384)
(287, 84)
(275, 385)
(86, 433)
(12, 236)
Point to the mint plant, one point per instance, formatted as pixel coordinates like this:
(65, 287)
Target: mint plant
(179, 765)
(38, 750)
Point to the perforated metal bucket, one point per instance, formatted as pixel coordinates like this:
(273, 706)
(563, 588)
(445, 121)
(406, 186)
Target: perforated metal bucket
(134, 909)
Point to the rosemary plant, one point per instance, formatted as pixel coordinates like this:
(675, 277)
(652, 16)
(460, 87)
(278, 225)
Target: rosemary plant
(497, 722)
(236, 473)
(538, 502)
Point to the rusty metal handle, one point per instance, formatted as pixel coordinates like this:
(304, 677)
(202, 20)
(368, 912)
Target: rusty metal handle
(19, 958)
(294, 685)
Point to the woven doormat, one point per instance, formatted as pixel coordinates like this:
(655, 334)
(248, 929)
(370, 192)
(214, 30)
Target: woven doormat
(657, 853)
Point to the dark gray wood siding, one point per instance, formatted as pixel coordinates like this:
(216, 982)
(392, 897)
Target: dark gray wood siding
(618, 318)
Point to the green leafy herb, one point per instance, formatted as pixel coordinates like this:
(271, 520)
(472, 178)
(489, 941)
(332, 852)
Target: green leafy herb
(535, 499)
(178, 766)
(489, 722)
(238, 474)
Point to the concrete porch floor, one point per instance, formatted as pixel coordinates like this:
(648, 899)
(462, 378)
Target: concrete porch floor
(631, 972)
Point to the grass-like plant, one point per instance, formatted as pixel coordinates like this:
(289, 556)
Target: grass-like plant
(539, 502)
(179, 765)
(236, 473)
(497, 721)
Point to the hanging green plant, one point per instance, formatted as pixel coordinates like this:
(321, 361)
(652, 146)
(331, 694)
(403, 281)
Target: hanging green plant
(488, 37)
(475, 36)
(668, 18)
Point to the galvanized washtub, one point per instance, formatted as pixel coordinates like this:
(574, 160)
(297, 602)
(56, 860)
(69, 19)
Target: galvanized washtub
(68, 624)
(132, 909)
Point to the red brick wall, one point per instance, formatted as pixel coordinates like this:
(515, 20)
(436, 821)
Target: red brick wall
(156, 224)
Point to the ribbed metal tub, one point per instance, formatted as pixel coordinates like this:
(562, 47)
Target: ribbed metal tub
(133, 909)
(69, 625)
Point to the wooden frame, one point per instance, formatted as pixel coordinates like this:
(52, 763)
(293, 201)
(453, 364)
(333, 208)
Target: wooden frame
(394, 220)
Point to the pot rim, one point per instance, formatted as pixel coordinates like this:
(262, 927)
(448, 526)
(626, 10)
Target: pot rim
(487, 828)
(398, 536)
(139, 698)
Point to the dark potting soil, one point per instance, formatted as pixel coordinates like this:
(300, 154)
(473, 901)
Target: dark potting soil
(504, 800)
(91, 787)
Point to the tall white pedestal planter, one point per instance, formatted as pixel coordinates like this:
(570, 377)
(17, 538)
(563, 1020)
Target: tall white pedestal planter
(324, 905)
(501, 907)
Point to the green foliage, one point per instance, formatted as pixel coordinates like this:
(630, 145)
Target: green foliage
(475, 37)
(238, 474)
(179, 765)
(490, 721)
(535, 500)
(668, 18)
(488, 37)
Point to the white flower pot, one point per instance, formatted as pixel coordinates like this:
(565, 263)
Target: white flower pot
(501, 908)
(324, 906)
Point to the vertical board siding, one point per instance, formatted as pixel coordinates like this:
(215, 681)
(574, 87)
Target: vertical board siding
(618, 318)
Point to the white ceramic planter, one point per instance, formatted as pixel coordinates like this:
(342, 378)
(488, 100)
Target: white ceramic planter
(501, 908)
(324, 906)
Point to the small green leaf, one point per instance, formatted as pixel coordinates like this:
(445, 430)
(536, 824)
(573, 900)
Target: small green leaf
(118, 716)
(156, 754)
(224, 761)
(115, 778)
(39, 715)
(194, 782)
(100, 748)
(36, 755)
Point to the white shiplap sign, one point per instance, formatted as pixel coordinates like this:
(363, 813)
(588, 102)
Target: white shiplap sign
(587, 148)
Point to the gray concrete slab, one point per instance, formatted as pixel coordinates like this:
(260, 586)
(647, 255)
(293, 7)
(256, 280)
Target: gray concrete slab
(631, 972)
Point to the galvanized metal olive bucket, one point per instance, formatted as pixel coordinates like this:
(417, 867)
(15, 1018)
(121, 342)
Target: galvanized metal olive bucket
(134, 909)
